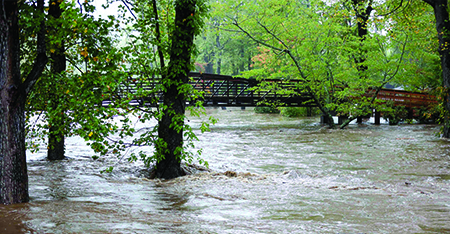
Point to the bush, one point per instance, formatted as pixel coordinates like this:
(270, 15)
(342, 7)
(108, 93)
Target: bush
(395, 114)
(266, 110)
(293, 111)
(299, 111)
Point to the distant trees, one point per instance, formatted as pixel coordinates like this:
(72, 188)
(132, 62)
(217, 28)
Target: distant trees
(223, 50)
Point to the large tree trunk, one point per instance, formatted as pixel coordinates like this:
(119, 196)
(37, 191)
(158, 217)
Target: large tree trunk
(443, 26)
(362, 12)
(56, 120)
(13, 94)
(13, 167)
(170, 126)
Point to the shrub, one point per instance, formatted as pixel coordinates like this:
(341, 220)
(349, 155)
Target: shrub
(266, 110)
(299, 111)
(293, 111)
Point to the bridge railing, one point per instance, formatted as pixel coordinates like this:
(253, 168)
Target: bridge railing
(226, 90)
(406, 98)
(222, 90)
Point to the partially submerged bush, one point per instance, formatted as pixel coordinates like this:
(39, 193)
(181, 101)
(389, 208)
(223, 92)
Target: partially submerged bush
(395, 114)
(294, 111)
(266, 110)
(298, 111)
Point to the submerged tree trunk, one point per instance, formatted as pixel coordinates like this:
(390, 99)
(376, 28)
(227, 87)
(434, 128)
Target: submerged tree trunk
(443, 26)
(13, 95)
(13, 167)
(56, 120)
(170, 126)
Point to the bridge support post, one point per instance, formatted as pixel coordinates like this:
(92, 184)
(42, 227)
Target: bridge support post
(359, 120)
(342, 119)
(324, 119)
(308, 111)
(377, 117)
(410, 113)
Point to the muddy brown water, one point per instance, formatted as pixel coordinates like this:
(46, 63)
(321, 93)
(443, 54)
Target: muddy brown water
(292, 176)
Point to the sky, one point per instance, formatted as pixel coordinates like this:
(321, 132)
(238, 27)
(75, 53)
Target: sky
(103, 13)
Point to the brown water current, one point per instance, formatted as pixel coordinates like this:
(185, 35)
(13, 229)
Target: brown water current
(291, 176)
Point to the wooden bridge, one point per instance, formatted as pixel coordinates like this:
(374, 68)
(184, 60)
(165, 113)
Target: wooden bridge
(222, 90)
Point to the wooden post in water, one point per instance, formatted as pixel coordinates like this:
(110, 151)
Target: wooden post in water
(324, 119)
(342, 119)
(410, 113)
(359, 120)
(377, 117)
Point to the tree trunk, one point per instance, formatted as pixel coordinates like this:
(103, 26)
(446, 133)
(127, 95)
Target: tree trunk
(170, 126)
(209, 63)
(13, 167)
(443, 26)
(56, 146)
(219, 57)
(56, 134)
(362, 13)
(13, 95)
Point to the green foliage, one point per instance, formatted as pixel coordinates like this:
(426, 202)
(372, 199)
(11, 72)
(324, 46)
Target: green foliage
(149, 74)
(422, 70)
(298, 111)
(266, 110)
(68, 100)
(223, 51)
(394, 114)
(324, 51)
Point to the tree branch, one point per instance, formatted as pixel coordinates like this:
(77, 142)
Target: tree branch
(288, 52)
(430, 2)
(126, 3)
(41, 58)
(158, 38)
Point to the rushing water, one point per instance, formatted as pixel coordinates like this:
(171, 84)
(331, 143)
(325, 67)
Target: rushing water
(292, 176)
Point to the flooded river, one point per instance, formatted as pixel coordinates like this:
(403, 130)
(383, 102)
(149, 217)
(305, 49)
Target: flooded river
(291, 176)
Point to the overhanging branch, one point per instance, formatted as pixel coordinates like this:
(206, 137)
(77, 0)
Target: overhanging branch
(41, 58)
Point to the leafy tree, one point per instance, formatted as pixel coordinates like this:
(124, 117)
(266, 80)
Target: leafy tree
(80, 76)
(158, 56)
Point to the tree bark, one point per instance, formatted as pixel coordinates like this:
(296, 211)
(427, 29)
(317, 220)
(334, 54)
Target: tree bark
(56, 134)
(362, 13)
(170, 126)
(13, 95)
(443, 26)
(13, 167)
